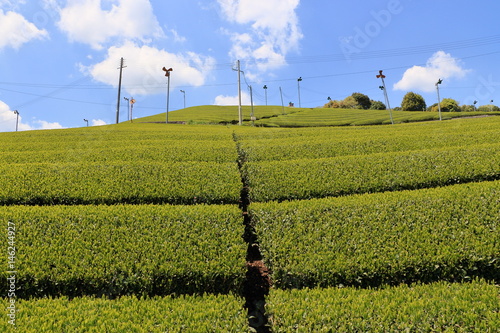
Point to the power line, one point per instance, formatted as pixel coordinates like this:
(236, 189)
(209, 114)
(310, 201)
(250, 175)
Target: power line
(50, 97)
(77, 84)
(398, 52)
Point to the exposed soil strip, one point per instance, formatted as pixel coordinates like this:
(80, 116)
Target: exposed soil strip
(258, 280)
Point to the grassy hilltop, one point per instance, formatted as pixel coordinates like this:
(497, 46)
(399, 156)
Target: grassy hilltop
(277, 116)
(152, 227)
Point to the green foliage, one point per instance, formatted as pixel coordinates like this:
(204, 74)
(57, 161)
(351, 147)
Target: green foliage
(345, 175)
(413, 102)
(439, 307)
(119, 182)
(207, 313)
(467, 108)
(362, 100)
(333, 104)
(377, 105)
(447, 233)
(486, 108)
(351, 103)
(129, 163)
(279, 144)
(330, 164)
(355, 101)
(344, 117)
(132, 142)
(447, 105)
(126, 250)
(216, 114)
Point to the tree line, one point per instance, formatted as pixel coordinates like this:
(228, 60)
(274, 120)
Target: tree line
(411, 102)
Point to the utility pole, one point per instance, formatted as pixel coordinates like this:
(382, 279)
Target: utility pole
(128, 107)
(184, 92)
(265, 90)
(282, 105)
(119, 91)
(298, 85)
(439, 99)
(17, 119)
(240, 115)
(382, 76)
(238, 69)
(167, 74)
(252, 118)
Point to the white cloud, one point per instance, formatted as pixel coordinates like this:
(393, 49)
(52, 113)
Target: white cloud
(232, 100)
(273, 30)
(440, 66)
(16, 30)
(8, 121)
(98, 122)
(42, 124)
(143, 74)
(87, 22)
(7, 118)
(176, 37)
(13, 5)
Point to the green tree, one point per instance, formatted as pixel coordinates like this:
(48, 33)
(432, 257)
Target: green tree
(467, 108)
(362, 100)
(334, 104)
(350, 103)
(413, 102)
(431, 108)
(447, 105)
(489, 107)
(377, 105)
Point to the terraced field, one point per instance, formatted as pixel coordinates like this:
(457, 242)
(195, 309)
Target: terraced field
(318, 117)
(151, 228)
(215, 114)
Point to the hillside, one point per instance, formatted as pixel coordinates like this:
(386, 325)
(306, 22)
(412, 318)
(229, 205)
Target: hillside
(277, 116)
(149, 227)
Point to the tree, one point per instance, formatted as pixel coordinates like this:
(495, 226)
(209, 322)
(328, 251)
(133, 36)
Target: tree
(377, 105)
(362, 100)
(413, 102)
(467, 108)
(355, 101)
(351, 103)
(488, 107)
(329, 104)
(447, 105)
(432, 107)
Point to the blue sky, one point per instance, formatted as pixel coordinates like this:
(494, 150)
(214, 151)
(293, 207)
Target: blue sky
(59, 59)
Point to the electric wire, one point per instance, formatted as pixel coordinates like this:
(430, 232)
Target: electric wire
(76, 85)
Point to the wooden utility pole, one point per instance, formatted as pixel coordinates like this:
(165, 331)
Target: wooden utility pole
(282, 105)
(119, 91)
(240, 115)
(167, 74)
